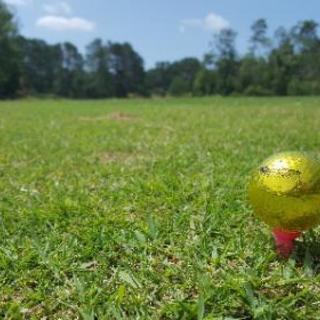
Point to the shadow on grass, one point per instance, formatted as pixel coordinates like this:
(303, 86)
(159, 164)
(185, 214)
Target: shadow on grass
(307, 253)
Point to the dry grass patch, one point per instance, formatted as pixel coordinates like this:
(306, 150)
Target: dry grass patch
(115, 116)
(119, 116)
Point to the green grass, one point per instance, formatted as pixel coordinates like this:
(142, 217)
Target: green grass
(137, 210)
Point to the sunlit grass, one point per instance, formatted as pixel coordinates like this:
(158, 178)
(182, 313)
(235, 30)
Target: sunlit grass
(136, 209)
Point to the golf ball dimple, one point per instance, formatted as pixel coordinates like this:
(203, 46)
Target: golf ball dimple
(285, 191)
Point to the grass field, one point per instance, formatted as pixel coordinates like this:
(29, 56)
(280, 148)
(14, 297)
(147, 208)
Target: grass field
(136, 209)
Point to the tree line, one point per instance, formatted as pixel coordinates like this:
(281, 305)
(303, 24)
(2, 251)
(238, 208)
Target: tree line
(286, 64)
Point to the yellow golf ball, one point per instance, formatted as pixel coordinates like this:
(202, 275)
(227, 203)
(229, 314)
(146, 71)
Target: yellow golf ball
(285, 191)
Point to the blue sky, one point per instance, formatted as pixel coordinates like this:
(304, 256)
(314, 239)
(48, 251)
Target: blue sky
(162, 30)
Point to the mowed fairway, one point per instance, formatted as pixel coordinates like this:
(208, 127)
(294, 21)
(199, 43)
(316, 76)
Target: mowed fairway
(136, 209)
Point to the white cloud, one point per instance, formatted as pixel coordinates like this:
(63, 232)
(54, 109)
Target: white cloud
(60, 8)
(59, 23)
(212, 22)
(17, 2)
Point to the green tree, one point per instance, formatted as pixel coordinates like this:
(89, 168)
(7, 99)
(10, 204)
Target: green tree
(185, 69)
(10, 58)
(226, 63)
(41, 67)
(253, 77)
(282, 63)
(127, 69)
(306, 43)
(204, 83)
(179, 87)
(99, 80)
(70, 82)
(305, 35)
(159, 79)
(165, 75)
(259, 41)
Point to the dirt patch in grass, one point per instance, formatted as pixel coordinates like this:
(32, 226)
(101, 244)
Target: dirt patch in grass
(116, 116)
(116, 157)
(119, 116)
